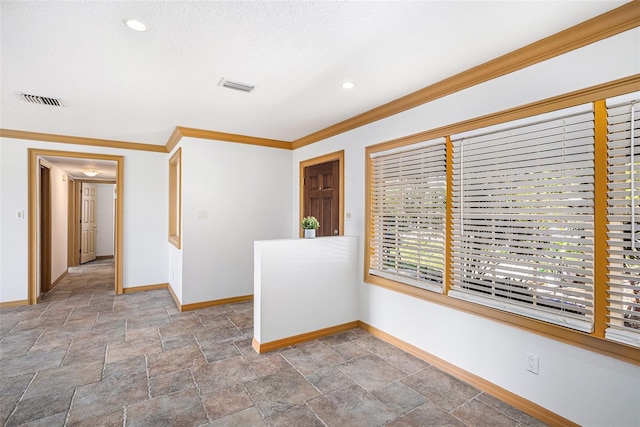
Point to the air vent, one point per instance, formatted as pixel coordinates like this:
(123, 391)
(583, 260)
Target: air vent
(235, 85)
(42, 100)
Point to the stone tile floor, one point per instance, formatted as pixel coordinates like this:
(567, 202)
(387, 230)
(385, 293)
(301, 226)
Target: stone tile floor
(85, 357)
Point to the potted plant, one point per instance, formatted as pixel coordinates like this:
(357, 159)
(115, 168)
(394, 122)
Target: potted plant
(310, 224)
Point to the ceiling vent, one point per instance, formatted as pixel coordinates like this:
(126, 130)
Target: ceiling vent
(42, 100)
(235, 85)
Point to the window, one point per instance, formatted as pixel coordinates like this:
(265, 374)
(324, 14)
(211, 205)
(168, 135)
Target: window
(523, 218)
(623, 222)
(175, 198)
(408, 201)
(532, 219)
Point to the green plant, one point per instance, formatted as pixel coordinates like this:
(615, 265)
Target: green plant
(310, 223)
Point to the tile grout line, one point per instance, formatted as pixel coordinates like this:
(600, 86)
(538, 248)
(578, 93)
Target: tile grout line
(66, 419)
(15, 407)
(146, 366)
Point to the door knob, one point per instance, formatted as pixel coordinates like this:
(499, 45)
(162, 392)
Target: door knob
(335, 232)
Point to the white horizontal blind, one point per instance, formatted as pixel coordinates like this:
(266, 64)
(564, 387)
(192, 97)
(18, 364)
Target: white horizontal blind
(523, 219)
(408, 198)
(623, 216)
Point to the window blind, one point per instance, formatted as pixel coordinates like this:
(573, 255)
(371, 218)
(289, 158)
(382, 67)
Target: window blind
(623, 216)
(523, 218)
(408, 198)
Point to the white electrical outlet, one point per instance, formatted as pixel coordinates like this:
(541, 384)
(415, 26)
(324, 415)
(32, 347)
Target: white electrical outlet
(533, 363)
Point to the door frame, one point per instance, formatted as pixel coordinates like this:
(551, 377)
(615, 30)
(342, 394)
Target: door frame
(33, 202)
(339, 156)
(73, 259)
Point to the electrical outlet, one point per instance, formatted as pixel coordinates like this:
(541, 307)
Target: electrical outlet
(533, 363)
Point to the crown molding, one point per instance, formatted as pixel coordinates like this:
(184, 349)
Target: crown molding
(181, 132)
(606, 25)
(78, 140)
(594, 93)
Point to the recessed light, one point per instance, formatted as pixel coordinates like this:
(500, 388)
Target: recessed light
(135, 25)
(348, 85)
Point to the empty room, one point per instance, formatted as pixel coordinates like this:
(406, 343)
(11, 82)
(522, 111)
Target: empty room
(320, 213)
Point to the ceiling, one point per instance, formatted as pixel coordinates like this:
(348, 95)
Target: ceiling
(118, 84)
(74, 167)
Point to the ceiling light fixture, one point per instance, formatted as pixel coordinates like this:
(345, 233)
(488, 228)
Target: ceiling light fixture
(348, 85)
(135, 25)
(91, 170)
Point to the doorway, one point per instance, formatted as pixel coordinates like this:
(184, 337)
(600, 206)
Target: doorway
(88, 223)
(35, 243)
(322, 192)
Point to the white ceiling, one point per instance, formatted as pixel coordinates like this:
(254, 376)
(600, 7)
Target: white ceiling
(118, 84)
(74, 167)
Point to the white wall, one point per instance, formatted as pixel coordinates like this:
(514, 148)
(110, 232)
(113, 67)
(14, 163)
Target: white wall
(585, 387)
(13, 261)
(303, 286)
(233, 194)
(59, 222)
(105, 215)
(145, 219)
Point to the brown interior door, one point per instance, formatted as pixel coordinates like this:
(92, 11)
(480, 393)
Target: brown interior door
(45, 229)
(322, 196)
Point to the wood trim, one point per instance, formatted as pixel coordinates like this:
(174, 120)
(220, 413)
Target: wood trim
(297, 339)
(174, 296)
(174, 140)
(16, 303)
(175, 198)
(582, 96)
(205, 304)
(181, 132)
(145, 288)
(32, 179)
(448, 218)
(104, 256)
(606, 25)
(600, 223)
(119, 224)
(330, 157)
(94, 142)
(32, 233)
(45, 202)
(55, 282)
(593, 342)
(480, 383)
(72, 224)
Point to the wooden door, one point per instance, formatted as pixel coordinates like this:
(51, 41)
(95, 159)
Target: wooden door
(88, 224)
(322, 196)
(45, 229)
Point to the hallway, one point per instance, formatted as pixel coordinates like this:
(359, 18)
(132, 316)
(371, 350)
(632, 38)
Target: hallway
(85, 357)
